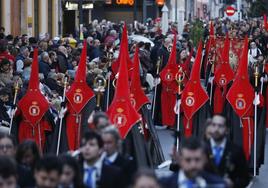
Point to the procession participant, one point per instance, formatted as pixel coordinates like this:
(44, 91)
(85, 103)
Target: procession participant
(80, 104)
(32, 121)
(229, 159)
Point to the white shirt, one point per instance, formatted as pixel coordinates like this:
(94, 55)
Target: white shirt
(200, 182)
(113, 157)
(214, 144)
(96, 174)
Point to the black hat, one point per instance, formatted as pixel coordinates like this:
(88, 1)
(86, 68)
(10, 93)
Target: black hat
(32, 40)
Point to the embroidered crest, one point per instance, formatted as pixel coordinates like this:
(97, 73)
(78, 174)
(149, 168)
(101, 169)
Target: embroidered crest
(78, 97)
(240, 103)
(120, 119)
(34, 109)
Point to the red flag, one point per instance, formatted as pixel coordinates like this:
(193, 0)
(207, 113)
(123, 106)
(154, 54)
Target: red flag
(123, 45)
(265, 24)
(210, 45)
(33, 105)
(121, 112)
(186, 66)
(138, 97)
(80, 93)
(241, 94)
(224, 73)
(193, 95)
(169, 88)
(223, 76)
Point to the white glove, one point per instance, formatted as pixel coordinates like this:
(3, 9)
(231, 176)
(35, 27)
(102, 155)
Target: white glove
(5, 123)
(62, 112)
(108, 75)
(157, 81)
(13, 112)
(257, 100)
(210, 80)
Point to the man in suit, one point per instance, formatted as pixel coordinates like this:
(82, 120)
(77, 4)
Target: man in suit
(111, 139)
(96, 172)
(192, 159)
(227, 158)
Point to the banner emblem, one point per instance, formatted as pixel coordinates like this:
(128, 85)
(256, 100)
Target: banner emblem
(120, 119)
(190, 101)
(222, 80)
(78, 97)
(169, 76)
(34, 110)
(240, 103)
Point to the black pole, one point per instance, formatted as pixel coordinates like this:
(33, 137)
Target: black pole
(176, 13)
(80, 8)
(135, 9)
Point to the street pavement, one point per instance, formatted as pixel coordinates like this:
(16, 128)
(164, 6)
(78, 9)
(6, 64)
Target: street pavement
(261, 181)
(166, 140)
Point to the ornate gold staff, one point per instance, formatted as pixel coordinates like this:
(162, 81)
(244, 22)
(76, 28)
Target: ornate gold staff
(16, 87)
(99, 88)
(110, 56)
(256, 102)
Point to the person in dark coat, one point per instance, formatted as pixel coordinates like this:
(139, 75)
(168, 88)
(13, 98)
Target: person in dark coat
(229, 159)
(62, 59)
(192, 160)
(111, 139)
(97, 172)
(164, 52)
(4, 98)
(44, 67)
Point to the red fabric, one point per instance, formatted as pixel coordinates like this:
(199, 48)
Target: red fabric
(80, 93)
(265, 24)
(223, 76)
(193, 95)
(121, 112)
(33, 105)
(168, 98)
(266, 105)
(241, 94)
(248, 134)
(219, 100)
(28, 131)
(73, 128)
(224, 73)
(186, 66)
(116, 63)
(210, 45)
(6, 55)
(169, 88)
(138, 97)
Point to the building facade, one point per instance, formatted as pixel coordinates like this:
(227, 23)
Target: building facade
(30, 17)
